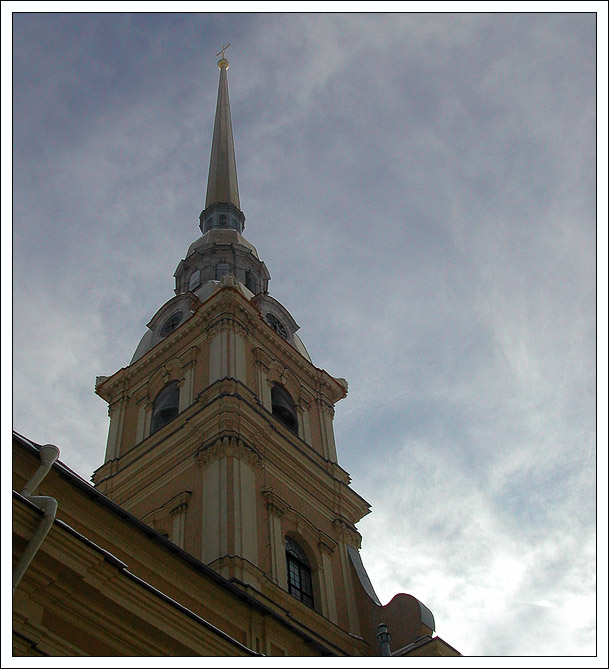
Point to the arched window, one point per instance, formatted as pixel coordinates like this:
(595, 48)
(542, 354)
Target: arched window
(166, 407)
(222, 269)
(283, 407)
(299, 573)
(250, 282)
(195, 280)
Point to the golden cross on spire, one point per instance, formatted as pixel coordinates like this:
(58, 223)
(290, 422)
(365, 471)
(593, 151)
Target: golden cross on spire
(222, 50)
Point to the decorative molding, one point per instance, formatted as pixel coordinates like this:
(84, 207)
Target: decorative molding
(274, 504)
(325, 407)
(226, 320)
(326, 548)
(229, 447)
(189, 356)
(347, 532)
(262, 357)
(230, 281)
(306, 398)
(279, 373)
(195, 302)
(116, 403)
(139, 368)
(179, 501)
(142, 396)
(156, 517)
(261, 436)
(173, 369)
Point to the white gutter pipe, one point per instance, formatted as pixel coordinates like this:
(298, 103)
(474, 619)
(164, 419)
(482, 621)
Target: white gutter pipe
(48, 454)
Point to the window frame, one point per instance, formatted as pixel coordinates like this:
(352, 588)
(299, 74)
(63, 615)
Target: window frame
(299, 573)
(278, 393)
(168, 398)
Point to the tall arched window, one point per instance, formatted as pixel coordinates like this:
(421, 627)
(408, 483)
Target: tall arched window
(222, 269)
(283, 407)
(250, 282)
(300, 584)
(166, 407)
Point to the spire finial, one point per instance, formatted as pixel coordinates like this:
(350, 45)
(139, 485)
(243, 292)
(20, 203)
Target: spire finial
(222, 206)
(223, 62)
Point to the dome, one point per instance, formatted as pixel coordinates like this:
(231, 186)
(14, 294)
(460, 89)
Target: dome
(177, 310)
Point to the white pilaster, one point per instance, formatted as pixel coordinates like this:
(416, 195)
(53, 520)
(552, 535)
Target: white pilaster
(238, 368)
(215, 512)
(328, 584)
(278, 561)
(116, 411)
(178, 524)
(246, 533)
(327, 431)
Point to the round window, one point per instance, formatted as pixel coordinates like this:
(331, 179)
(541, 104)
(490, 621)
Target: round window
(171, 323)
(277, 325)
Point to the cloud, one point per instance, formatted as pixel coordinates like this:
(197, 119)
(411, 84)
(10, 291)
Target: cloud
(485, 573)
(422, 189)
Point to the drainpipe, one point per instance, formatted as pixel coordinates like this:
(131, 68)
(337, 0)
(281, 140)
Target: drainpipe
(384, 639)
(48, 454)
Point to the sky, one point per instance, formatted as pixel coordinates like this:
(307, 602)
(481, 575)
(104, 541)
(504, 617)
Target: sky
(422, 189)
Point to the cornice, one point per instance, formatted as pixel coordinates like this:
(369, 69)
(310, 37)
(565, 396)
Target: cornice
(225, 308)
(132, 376)
(228, 446)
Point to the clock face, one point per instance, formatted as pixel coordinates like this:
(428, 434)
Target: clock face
(277, 325)
(171, 323)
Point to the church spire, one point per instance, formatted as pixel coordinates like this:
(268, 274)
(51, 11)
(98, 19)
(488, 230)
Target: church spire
(222, 206)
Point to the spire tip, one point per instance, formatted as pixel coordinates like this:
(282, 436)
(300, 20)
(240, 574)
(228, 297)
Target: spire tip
(223, 62)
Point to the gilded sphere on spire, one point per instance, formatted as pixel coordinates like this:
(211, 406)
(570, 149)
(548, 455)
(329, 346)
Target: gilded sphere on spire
(222, 63)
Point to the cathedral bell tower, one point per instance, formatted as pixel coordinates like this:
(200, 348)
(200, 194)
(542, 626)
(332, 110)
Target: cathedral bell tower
(221, 430)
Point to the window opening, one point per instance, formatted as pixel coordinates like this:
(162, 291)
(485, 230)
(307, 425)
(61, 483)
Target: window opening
(300, 584)
(195, 279)
(172, 323)
(250, 282)
(283, 407)
(222, 269)
(166, 407)
(277, 325)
